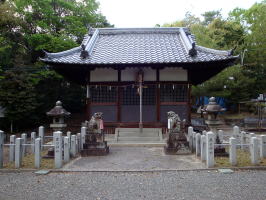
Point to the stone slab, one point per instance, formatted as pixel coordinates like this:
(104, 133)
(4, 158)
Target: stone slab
(42, 172)
(226, 171)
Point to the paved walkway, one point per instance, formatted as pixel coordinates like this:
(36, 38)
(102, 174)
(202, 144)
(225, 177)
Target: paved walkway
(135, 158)
(183, 185)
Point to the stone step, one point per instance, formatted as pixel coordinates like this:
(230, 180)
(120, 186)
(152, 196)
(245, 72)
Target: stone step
(139, 139)
(143, 134)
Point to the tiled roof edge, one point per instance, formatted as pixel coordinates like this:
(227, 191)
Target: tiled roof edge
(91, 43)
(214, 51)
(188, 43)
(62, 53)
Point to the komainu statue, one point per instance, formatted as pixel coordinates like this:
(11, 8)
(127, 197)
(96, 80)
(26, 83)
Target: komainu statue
(95, 143)
(176, 142)
(94, 125)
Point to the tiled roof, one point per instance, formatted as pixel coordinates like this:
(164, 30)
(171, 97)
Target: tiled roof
(137, 46)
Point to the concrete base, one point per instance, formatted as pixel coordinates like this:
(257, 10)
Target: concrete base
(94, 149)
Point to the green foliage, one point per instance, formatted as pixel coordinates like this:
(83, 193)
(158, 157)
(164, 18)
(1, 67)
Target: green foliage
(18, 96)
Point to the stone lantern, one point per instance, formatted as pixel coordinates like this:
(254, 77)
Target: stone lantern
(211, 110)
(58, 113)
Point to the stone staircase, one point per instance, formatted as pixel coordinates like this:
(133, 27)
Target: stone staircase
(132, 136)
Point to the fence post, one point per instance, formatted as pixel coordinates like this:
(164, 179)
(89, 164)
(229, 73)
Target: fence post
(210, 149)
(83, 133)
(18, 153)
(198, 137)
(189, 133)
(242, 139)
(12, 148)
(73, 146)
(203, 147)
(58, 149)
(263, 146)
(1, 149)
(221, 135)
(41, 135)
(32, 141)
(254, 150)
(236, 132)
(37, 153)
(66, 150)
(24, 141)
(193, 141)
(78, 138)
(232, 151)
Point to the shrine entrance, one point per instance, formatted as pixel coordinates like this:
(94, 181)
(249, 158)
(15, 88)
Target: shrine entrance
(130, 108)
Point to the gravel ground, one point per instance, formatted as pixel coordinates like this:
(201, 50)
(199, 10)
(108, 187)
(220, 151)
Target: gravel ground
(194, 185)
(132, 158)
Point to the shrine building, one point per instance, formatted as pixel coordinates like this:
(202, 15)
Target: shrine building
(136, 75)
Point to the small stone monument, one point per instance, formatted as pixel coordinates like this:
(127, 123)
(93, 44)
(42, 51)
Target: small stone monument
(58, 113)
(177, 141)
(212, 109)
(95, 144)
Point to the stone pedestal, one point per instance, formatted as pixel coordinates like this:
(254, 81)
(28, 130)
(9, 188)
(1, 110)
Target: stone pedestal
(177, 144)
(218, 150)
(94, 145)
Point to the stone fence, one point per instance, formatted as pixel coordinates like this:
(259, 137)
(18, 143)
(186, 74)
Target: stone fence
(203, 145)
(65, 147)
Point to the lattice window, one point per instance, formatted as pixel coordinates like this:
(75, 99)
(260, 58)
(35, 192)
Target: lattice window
(173, 93)
(131, 95)
(103, 94)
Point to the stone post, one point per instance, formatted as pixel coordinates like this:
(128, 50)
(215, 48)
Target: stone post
(251, 135)
(83, 134)
(73, 146)
(194, 141)
(221, 135)
(198, 137)
(236, 132)
(18, 153)
(242, 139)
(204, 132)
(191, 142)
(232, 151)
(210, 137)
(1, 149)
(24, 141)
(203, 147)
(263, 146)
(12, 148)
(41, 135)
(254, 150)
(32, 139)
(189, 133)
(66, 150)
(79, 143)
(37, 153)
(58, 149)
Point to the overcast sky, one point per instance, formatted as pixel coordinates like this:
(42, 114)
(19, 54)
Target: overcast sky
(148, 13)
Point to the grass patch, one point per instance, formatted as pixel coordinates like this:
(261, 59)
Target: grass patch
(28, 162)
(243, 160)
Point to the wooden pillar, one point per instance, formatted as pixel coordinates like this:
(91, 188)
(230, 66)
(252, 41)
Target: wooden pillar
(158, 104)
(88, 95)
(119, 97)
(189, 103)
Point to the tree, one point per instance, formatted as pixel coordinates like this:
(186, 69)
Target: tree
(210, 16)
(18, 97)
